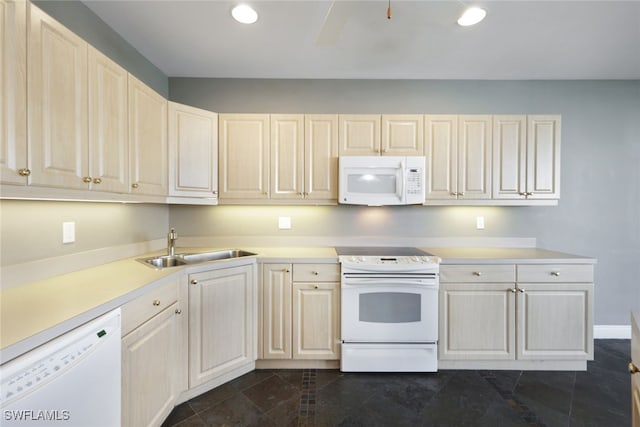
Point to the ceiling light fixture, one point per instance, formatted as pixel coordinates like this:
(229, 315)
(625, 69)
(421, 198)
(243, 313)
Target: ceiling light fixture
(244, 14)
(472, 16)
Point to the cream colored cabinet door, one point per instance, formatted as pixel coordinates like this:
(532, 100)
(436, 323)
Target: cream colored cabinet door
(57, 104)
(108, 124)
(441, 151)
(543, 157)
(13, 85)
(316, 320)
(359, 135)
(634, 369)
(193, 151)
(509, 156)
(244, 157)
(555, 321)
(150, 369)
(321, 157)
(477, 321)
(287, 156)
(403, 135)
(147, 139)
(276, 311)
(474, 157)
(222, 322)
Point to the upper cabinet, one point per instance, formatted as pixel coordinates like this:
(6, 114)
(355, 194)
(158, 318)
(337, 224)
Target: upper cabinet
(147, 139)
(13, 86)
(57, 92)
(278, 158)
(458, 151)
(526, 157)
(244, 156)
(108, 124)
(387, 135)
(193, 152)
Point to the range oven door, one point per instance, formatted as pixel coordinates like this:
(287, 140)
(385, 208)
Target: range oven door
(389, 311)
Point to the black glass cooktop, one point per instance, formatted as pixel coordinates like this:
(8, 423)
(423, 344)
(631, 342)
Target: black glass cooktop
(379, 251)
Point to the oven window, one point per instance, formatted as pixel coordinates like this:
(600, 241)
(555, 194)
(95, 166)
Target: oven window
(389, 307)
(370, 183)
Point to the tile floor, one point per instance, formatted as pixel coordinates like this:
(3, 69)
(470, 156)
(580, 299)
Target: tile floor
(598, 397)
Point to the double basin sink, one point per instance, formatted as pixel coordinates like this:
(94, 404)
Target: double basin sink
(176, 260)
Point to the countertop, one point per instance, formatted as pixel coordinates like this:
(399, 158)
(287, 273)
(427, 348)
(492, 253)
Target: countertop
(33, 313)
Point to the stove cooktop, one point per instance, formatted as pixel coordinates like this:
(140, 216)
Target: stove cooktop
(379, 251)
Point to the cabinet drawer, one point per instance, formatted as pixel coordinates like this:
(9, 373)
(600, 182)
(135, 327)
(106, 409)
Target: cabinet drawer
(477, 273)
(316, 272)
(555, 273)
(143, 308)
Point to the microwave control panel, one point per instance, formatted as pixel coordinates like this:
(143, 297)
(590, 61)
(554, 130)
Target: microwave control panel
(414, 181)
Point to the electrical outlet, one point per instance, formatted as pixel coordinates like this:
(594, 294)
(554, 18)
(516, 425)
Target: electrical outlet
(284, 222)
(480, 222)
(68, 232)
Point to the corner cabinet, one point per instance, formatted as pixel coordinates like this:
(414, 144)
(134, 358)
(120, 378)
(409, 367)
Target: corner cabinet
(154, 364)
(300, 306)
(147, 139)
(222, 319)
(193, 152)
(13, 85)
(516, 316)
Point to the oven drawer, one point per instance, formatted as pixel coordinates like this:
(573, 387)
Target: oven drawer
(477, 273)
(316, 272)
(555, 273)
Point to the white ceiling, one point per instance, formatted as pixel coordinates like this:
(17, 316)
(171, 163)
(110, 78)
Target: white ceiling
(354, 40)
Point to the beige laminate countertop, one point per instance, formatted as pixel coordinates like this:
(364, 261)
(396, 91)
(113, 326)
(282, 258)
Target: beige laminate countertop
(506, 256)
(34, 313)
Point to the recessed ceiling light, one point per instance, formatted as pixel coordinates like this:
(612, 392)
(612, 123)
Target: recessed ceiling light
(472, 16)
(244, 14)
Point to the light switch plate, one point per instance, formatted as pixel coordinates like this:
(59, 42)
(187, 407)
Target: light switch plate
(68, 232)
(480, 222)
(284, 222)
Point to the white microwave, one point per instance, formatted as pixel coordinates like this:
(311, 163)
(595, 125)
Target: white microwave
(381, 180)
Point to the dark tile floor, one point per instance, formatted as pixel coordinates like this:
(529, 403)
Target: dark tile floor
(598, 397)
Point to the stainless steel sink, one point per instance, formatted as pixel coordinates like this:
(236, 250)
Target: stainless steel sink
(166, 261)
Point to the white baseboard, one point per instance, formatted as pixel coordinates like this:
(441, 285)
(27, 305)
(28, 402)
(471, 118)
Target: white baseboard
(612, 331)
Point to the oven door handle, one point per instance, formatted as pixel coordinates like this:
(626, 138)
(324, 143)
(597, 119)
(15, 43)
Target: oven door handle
(390, 283)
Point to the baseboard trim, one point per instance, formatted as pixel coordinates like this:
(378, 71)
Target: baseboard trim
(612, 332)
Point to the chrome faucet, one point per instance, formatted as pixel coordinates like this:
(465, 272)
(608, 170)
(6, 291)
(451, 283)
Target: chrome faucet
(171, 242)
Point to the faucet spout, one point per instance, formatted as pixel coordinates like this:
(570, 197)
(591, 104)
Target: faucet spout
(171, 242)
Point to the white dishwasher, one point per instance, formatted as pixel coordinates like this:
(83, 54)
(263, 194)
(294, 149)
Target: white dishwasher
(72, 380)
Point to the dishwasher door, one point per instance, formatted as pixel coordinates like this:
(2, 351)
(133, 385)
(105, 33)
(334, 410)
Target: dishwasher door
(73, 380)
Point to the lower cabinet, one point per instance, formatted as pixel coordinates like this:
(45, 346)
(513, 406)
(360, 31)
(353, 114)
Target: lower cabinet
(300, 311)
(634, 369)
(520, 313)
(222, 334)
(153, 364)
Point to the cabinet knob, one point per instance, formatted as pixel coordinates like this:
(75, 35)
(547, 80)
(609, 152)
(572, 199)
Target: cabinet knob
(156, 302)
(512, 290)
(86, 179)
(286, 270)
(194, 282)
(315, 286)
(178, 311)
(315, 273)
(24, 172)
(215, 192)
(633, 369)
(521, 290)
(97, 180)
(135, 185)
(529, 193)
(555, 273)
(477, 273)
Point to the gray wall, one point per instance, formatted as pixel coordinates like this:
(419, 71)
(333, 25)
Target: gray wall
(82, 21)
(599, 210)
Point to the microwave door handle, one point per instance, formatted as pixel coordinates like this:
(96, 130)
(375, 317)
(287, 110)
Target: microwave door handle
(403, 176)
